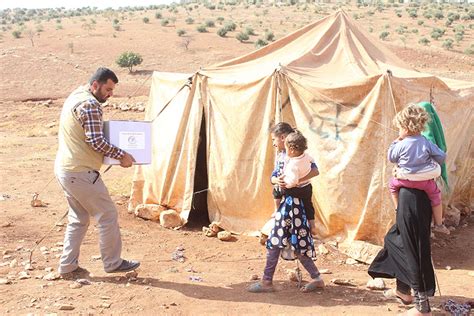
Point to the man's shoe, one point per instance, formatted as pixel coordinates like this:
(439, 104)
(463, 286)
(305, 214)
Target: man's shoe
(126, 266)
(76, 274)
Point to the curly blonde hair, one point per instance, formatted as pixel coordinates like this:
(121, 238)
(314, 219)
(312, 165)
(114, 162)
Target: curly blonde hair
(296, 141)
(413, 119)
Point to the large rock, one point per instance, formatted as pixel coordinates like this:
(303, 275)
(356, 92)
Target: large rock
(170, 219)
(224, 236)
(149, 211)
(452, 216)
(361, 251)
(376, 284)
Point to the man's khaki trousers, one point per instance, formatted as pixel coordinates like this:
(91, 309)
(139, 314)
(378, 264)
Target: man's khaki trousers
(87, 196)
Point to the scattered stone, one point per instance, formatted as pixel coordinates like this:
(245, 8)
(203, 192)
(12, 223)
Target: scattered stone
(6, 252)
(96, 257)
(51, 276)
(44, 249)
(49, 269)
(75, 285)
(13, 263)
(351, 261)
(6, 257)
(376, 284)
(224, 236)
(7, 224)
(5, 281)
(23, 275)
(131, 274)
(449, 268)
(18, 248)
(65, 307)
(105, 305)
(361, 251)
(105, 297)
(195, 278)
(471, 273)
(325, 271)
(333, 243)
(83, 281)
(346, 282)
(59, 244)
(178, 254)
(254, 277)
(170, 219)
(4, 264)
(322, 250)
(29, 267)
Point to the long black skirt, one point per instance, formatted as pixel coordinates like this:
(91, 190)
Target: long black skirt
(406, 255)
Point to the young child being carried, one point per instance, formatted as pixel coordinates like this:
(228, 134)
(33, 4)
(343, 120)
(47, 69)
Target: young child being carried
(304, 189)
(291, 229)
(416, 157)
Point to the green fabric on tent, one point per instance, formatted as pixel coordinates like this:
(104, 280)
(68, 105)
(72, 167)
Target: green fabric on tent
(434, 133)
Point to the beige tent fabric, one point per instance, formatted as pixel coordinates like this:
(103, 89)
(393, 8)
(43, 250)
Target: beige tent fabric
(169, 179)
(341, 88)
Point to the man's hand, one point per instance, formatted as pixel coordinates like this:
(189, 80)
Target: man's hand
(127, 160)
(281, 182)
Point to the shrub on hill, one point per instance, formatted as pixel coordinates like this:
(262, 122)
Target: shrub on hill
(424, 41)
(222, 32)
(146, 20)
(261, 43)
(180, 32)
(242, 37)
(201, 29)
(129, 60)
(384, 35)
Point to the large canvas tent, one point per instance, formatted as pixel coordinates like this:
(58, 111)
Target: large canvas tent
(339, 87)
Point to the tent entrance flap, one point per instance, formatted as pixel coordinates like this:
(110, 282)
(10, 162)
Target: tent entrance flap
(199, 215)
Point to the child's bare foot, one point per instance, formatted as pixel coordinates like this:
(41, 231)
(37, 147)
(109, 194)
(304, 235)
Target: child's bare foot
(313, 286)
(441, 229)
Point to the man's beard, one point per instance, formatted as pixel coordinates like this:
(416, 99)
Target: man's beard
(99, 97)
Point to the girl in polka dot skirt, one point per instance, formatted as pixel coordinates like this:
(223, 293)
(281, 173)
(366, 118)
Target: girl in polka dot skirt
(291, 235)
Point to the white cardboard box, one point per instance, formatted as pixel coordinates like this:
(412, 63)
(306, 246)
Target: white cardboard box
(134, 137)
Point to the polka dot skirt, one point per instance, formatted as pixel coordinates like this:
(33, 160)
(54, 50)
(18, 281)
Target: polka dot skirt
(291, 231)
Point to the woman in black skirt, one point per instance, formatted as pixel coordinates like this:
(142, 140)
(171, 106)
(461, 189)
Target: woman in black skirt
(406, 255)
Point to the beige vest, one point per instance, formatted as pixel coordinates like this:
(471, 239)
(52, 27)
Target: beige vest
(74, 154)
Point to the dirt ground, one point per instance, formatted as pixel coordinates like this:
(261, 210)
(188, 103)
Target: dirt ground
(215, 274)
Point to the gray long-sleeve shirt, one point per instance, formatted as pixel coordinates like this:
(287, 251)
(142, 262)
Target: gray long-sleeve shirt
(415, 153)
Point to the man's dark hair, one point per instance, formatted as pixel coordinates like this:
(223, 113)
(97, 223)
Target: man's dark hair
(282, 128)
(103, 74)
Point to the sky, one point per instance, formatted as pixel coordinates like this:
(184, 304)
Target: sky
(36, 4)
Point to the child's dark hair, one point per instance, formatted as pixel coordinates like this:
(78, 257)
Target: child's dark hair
(296, 141)
(282, 128)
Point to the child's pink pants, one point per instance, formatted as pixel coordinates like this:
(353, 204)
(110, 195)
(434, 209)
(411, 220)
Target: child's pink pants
(429, 186)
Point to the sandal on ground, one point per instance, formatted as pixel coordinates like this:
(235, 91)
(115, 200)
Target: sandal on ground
(259, 288)
(392, 293)
(312, 286)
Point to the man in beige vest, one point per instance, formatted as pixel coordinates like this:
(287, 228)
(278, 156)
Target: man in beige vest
(82, 147)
